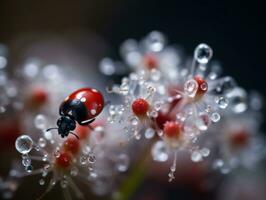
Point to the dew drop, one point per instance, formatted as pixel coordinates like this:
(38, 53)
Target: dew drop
(191, 87)
(40, 122)
(122, 163)
(42, 142)
(107, 66)
(159, 152)
(24, 144)
(222, 102)
(155, 41)
(149, 133)
(203, 53)
(196, 156)
(41, 181)
(215, 117)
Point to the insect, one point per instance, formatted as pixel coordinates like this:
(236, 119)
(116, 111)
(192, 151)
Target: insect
(82, 106)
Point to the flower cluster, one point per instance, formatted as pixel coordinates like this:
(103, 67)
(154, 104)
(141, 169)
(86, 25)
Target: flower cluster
(177, 101)
(171, 104)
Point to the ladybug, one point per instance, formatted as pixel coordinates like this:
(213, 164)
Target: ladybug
(82, 106)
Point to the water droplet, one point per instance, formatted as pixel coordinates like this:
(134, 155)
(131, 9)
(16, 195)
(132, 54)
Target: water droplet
(238, 99)
(153, 114)
(203, 53)
(24, 144)
(149, 133)
(91, 158)
(205, 152)
(134, 121)
(40, 122)
(42, 142)
(222, 102)
(57, 152)
(83, 159)
(122, 163)
(159, 152)
(107, 66)
(26, 161)
(29, 168)
(191, 87)
(41, 181)
(63, 183)
(215, 117)
(155, 75)
(196, 156)
(157, 105)
(74, 171)
(155, 41)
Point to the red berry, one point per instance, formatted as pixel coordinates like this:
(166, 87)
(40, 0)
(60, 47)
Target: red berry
(64, 160)
(202, 86)
(172, 129)
(39, 96)
(72, 145)
(239, 139)
(150, 61)
(140, 107)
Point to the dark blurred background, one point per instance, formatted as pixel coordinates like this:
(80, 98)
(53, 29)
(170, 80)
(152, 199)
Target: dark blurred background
(235, 30)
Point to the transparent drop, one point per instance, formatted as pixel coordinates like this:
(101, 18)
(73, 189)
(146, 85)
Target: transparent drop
(40, 122)
(222, 102)
(159, 152)
(41, 181)
(42, 142)
(157, 105)
(238, 100)
(29, 169)
(57, 152)
(153, 114)
(24, 144)
(155, 75)
(191, 87)
(149, 133)
(203, 53)
(196, 156)
(26, 161)
(215, 117)
(134, 121)
(122, 163)
(205, 152)
(74, 171)
(91, 158)
(63, 183)
(155, 41)
(83, 160)
(107, 66)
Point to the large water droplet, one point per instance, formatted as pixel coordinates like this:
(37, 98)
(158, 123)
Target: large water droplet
(24, 144)
(159, 152)
(203, 53)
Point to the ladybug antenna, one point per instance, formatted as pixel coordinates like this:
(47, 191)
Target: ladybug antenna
(51, 129)
(74, 134)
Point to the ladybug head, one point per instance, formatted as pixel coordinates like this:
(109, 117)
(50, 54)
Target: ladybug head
(65, 125)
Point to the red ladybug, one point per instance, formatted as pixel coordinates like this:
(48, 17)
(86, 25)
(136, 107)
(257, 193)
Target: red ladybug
(82, 106)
